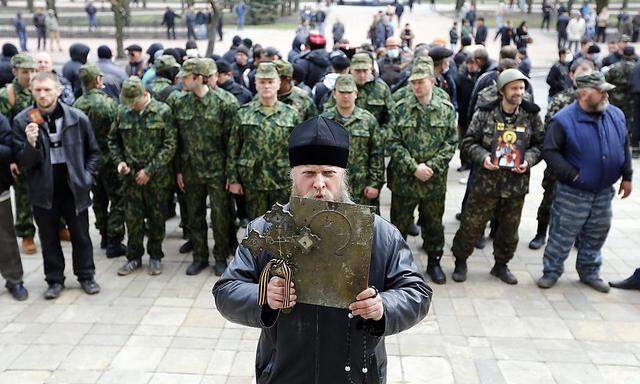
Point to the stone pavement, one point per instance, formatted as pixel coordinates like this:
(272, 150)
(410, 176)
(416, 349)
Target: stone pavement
(165, 329)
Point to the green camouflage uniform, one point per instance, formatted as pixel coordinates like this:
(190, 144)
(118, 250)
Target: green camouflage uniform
(499, 192)
(298, 99)
(366, 153)
(427, 135)
(259, 145)
(108, 204)
(24, 218)
(558, 102)
(618, 75)
(203, 134)
(144, 140)
(158, 85)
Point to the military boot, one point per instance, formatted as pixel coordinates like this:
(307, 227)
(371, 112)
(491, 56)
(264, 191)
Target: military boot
(413, 230)
(219, 267)
(433, 268)
(115, 248)
(540, 238)
(502, 272)
(104, 241)
(460, 271)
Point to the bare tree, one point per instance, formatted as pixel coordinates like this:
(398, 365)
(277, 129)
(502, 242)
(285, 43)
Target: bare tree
(119, 8)
(603, 3)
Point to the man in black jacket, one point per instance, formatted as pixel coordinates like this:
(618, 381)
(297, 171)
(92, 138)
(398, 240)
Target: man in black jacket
(169, 21)
(558, 77)
(315, 62)
(226, 82)
(78, 53)
(10, 263)
(58, 152)
(481, 32)
(318, 153)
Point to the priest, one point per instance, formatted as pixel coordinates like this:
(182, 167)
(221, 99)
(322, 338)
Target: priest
(304, 343)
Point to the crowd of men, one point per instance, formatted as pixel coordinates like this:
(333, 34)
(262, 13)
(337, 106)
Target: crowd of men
(176, 128)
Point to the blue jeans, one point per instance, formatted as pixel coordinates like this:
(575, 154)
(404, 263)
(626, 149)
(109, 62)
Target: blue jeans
(240, 21)
(582, 216)
(93, 21)
(22, 37)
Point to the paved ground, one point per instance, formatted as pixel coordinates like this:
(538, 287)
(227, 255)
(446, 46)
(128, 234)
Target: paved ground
(165, 329)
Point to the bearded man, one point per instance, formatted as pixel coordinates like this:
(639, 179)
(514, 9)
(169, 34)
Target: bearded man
(587, 148)
(305, 345)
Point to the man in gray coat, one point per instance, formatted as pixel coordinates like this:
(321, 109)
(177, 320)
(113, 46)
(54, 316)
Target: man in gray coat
(307, 345)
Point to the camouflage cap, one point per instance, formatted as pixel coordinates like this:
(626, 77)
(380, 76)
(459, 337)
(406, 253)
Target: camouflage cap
(346, 84)
(166, 62)
(284, 68)
(89, 72)
(132, 90)
(594, 80)
(195, 66)
(510, 75)
(421, 71)
(361, 61)
(212, 67)
(267, 71)
(423, 60)
(23, 61)
(625, 38)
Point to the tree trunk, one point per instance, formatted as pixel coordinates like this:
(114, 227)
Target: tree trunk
(459, 4)
(529, 6)
(601, 4)
(30, 5)
(625, 4)
(297, 5)
(144, 4)
(211, 28)
(119, 8)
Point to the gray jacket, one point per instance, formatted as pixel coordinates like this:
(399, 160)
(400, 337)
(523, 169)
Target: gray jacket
(308, 345)
(81, 151)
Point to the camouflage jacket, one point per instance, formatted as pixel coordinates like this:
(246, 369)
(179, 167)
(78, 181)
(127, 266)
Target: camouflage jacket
(158, 85)
(558, 102)
(490, 94)
(145, 140)
(618, 75)
(421, 135)
(479, 140)
(259, 146)
(203, 126)
(298, 99)
(23, 99)
(101, 111)
(375, 97)
(366, 151)
(406, 91)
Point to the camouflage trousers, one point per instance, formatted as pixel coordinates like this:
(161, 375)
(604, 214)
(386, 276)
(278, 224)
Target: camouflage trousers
(259, 202)
(145, 202)
(430, 210)
(108, 204)
(24, 216)
(478, 210)
(196, 192)
(357, 195)
(544, 210)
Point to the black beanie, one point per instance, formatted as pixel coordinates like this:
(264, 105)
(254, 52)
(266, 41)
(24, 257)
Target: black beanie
(319, 141)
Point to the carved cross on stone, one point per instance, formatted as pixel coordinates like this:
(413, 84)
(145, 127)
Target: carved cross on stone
(283, 238)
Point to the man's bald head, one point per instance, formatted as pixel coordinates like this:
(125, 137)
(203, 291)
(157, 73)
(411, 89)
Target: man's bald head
(44, 62)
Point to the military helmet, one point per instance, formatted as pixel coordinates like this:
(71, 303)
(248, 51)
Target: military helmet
(510, 75)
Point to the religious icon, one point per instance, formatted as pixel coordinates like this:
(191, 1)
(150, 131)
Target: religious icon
(506, 149)
(323, 247)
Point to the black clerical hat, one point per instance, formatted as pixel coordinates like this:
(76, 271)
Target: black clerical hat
(319, 141)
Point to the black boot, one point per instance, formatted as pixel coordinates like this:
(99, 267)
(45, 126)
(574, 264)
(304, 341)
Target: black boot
(540, 238)
(482, 242)
(413, 230)
(115, 248)
(502, 272)
(433, 268)
(186, 247)
(460, 272)
(219, 267)
(104, 241)
(632, 282)
(18, 291)
(196, 267)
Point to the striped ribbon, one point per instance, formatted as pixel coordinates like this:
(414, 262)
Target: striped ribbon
(272, 266)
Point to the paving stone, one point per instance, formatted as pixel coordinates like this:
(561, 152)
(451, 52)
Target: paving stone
(138, 358)
(185, 361)
(89, 357)
(571, 373)
(438, 369)
(525, 372)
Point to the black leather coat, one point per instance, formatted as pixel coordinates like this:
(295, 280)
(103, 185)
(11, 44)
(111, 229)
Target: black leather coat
(81, 151)
(308, 345)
